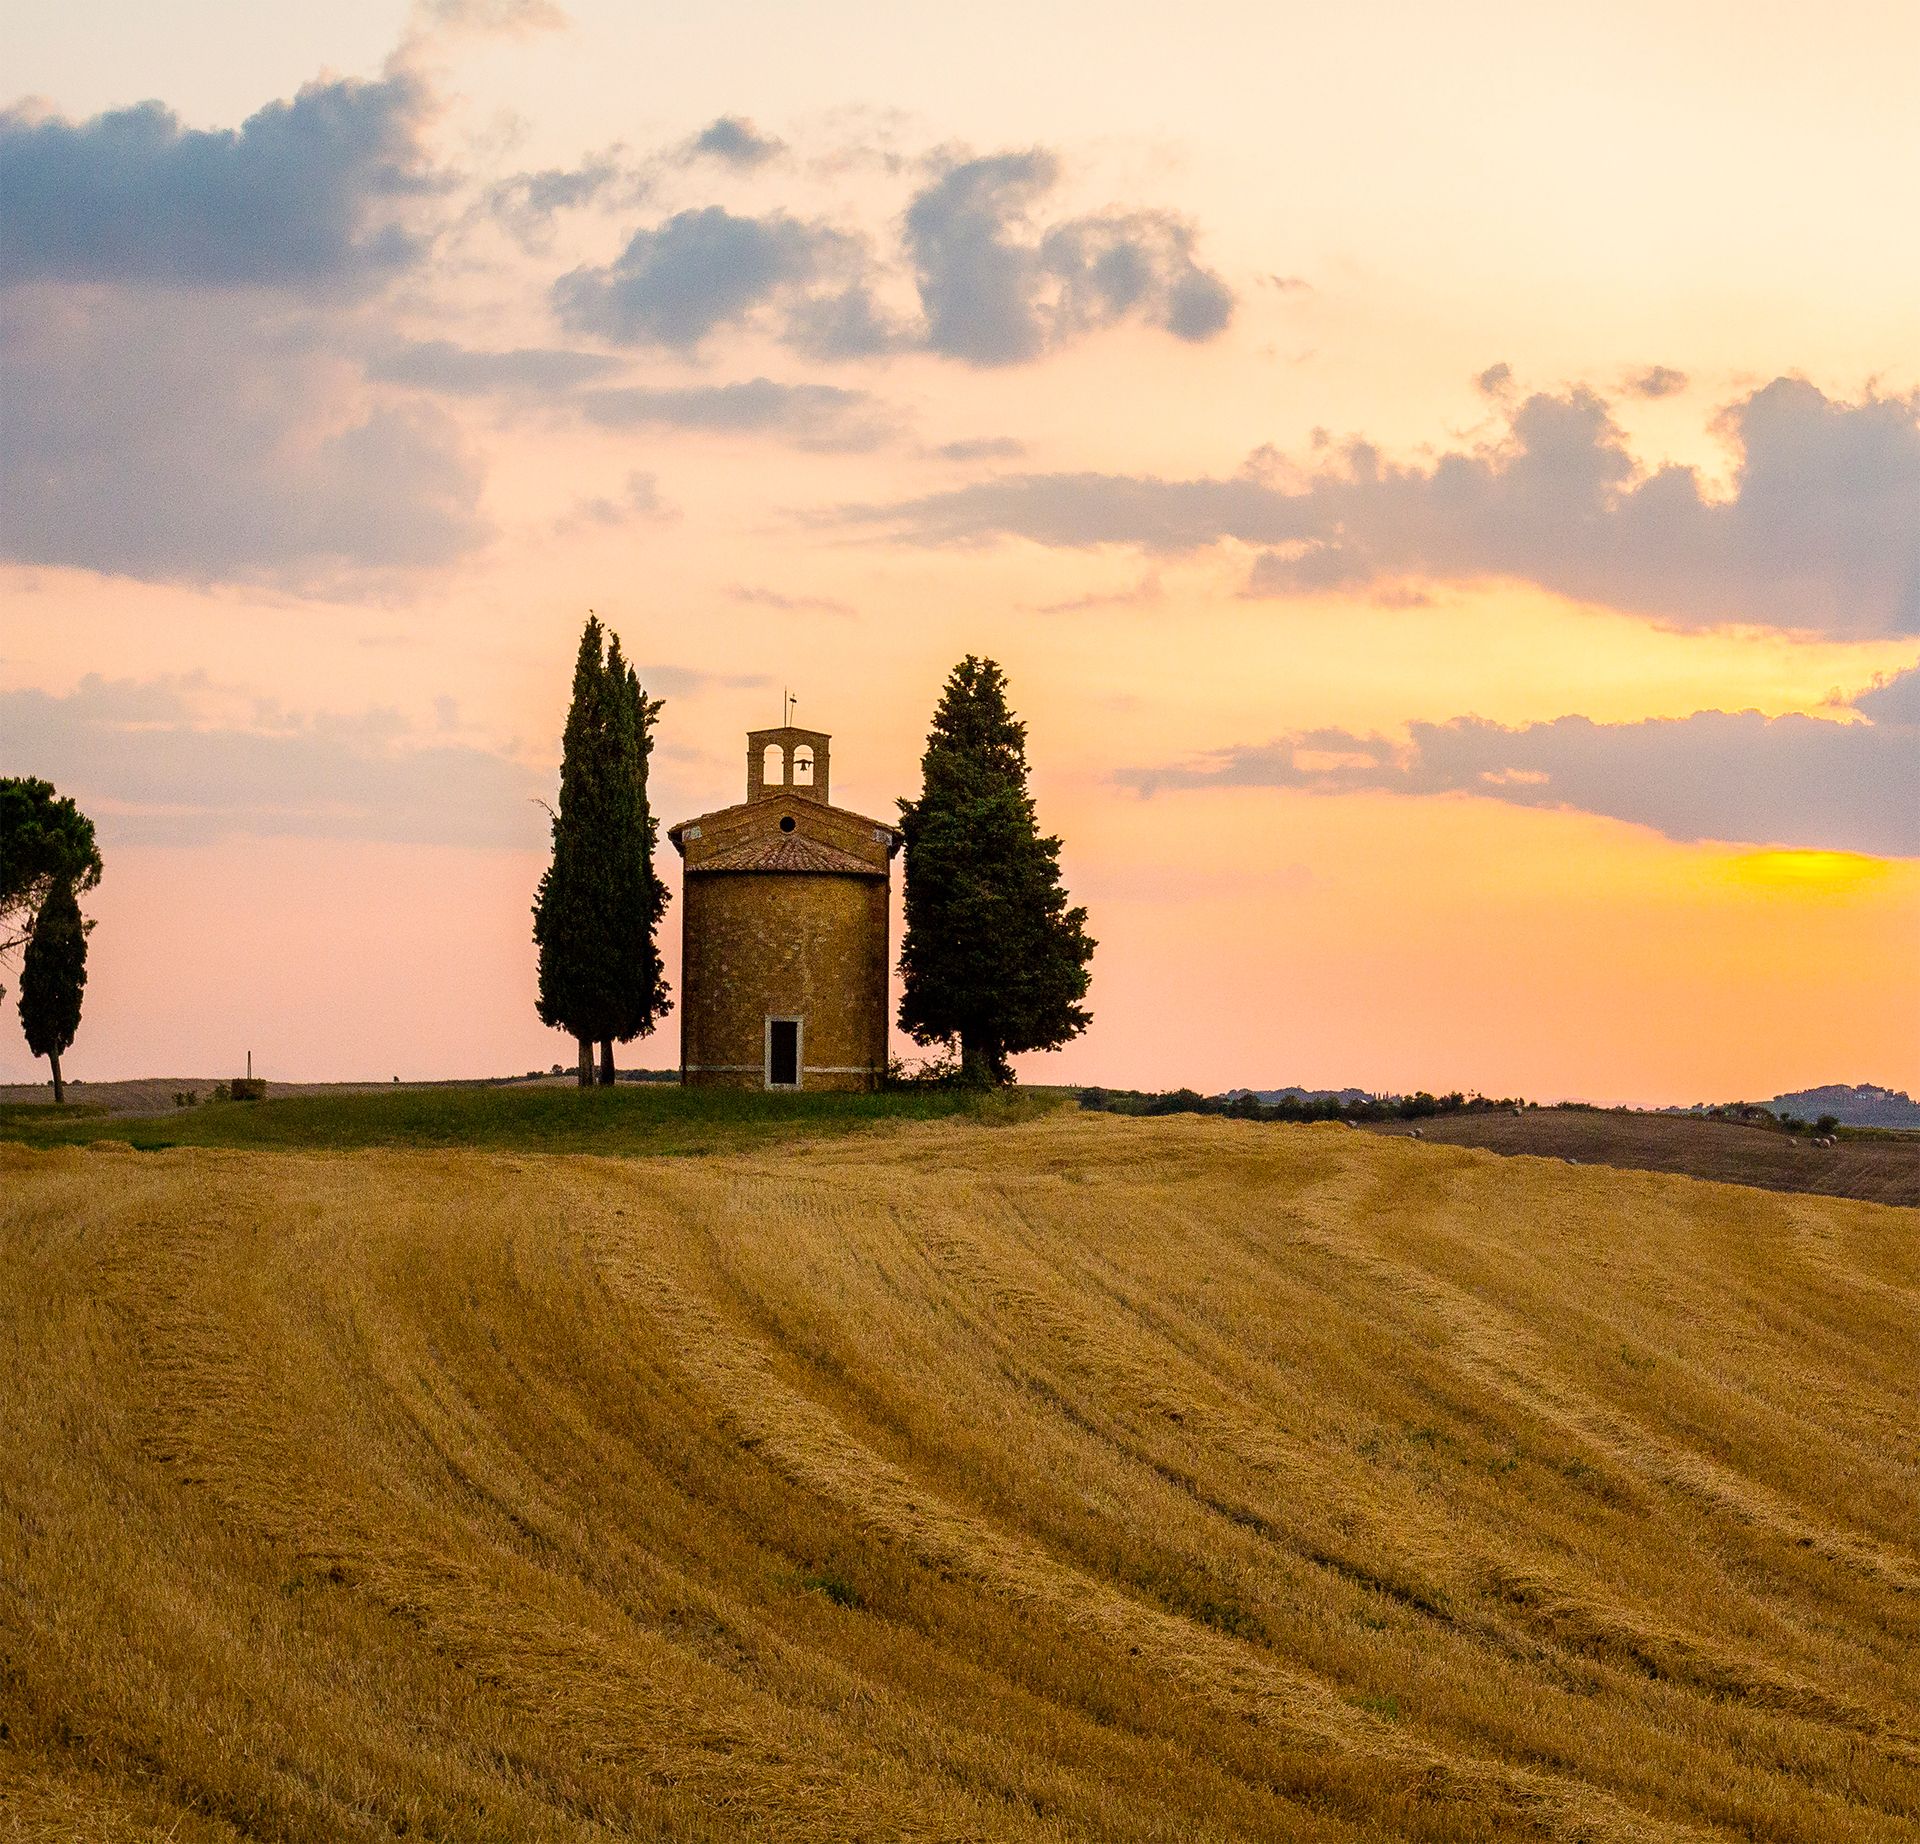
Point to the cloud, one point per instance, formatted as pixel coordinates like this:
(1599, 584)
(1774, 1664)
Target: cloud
(1148, 592)
(183, 316)
(735, 141)
(690, 682)
(698, 271)
(788, 604)
(529, 204)
(817, 416)
(983, 448)
(1657, 381)
(304, 194)
(1821, 530)
(184, 438)
(849, 323)
(1796, 781)
(1495, 381)
(1893, 701)
(994, 291)
(1140, 264)
(1076, 510)
(461, 371)
(639, 499)
(995, 286)
(978, 285)
(176, 761)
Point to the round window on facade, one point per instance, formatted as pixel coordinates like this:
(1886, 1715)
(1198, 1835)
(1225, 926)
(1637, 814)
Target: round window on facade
(786, 822)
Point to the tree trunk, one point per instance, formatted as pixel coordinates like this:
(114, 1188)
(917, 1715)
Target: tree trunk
(586, 1062)
(59, 1087)
(976, 1062)
(607, 1076)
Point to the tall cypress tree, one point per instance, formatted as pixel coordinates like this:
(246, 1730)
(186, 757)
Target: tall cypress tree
(53, 978)
(992, 957)
(579, 974)
(599, 902)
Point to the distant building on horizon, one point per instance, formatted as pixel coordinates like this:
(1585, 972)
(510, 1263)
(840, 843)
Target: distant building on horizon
(784, 923)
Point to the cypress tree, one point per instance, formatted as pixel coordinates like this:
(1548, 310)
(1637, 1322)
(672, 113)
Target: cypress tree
(992, 958)
(578, 974)
(53, 978)
(599, 902)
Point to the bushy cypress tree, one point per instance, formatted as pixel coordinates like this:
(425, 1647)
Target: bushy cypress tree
(599, 902)
(53, 978)
(993, 958)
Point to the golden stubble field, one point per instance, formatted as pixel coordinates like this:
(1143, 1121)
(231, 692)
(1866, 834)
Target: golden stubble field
(1090, 1478)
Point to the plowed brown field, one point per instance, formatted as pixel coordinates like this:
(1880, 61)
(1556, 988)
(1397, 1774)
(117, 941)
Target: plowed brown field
(1089, 1478)
(1882, 1170)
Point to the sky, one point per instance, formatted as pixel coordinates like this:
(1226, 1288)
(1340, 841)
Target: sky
(1444, 485)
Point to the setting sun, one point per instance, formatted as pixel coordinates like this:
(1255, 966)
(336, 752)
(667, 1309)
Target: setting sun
(1814, 873)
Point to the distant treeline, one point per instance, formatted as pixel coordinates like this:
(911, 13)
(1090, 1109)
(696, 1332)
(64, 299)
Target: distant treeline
(1864, 1104)
(1761, 1114)
(1247, 1106)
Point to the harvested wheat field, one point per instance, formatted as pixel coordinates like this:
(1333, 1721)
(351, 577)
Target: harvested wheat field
(1086, 1478)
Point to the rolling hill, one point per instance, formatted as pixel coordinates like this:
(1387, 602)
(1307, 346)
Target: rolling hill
(1076, 1478)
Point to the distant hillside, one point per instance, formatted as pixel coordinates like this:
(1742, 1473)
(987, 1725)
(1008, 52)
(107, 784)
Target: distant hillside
(1881, 1168)
(1270, 1095)
(1863, 1105)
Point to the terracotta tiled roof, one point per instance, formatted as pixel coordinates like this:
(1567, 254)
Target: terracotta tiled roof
(790, 853)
